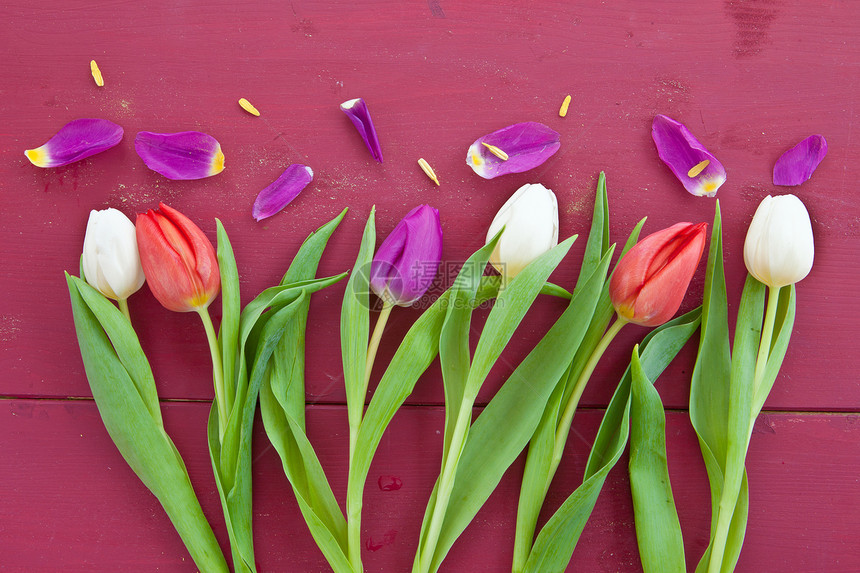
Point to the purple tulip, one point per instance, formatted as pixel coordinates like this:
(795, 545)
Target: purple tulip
(797, 164)
(76, 140)
(406, 262)
(694, 166)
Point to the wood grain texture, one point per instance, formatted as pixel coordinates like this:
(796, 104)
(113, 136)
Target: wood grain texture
(72, 503)
(749, 77)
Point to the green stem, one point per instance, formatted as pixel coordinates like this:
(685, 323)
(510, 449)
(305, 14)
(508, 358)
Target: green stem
(427, 546)
(766, 337)
(734, 476)
(354, 495)
(570, 408)
(217, 371)
(123, 306)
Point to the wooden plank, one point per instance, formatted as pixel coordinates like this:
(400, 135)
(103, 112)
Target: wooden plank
(750, 78)
(72, 504)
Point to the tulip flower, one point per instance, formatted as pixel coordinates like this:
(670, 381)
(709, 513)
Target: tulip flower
(778, 250)
(110, 260)
(406, 262)
(181, 268)
(178, 260)
(530, 219)
(650, 281)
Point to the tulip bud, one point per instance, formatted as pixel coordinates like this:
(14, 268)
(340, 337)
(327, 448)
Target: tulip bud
(650, 281)
(778, 250)
(178, 260)
(110, 260)
(406, 262)
(530, 219)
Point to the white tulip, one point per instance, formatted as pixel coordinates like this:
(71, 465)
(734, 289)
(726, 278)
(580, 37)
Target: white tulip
(530, 219)
(110, 261)
(778, 250)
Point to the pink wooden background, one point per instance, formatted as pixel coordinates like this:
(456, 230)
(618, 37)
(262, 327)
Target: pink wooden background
(750, 78)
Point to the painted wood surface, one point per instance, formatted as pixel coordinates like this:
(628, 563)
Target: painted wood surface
(749, 77)
(75, 505)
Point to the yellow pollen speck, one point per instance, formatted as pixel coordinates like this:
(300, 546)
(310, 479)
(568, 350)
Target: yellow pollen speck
(709, 187)
(564, 105)
(698, 168)
(476, 159)
(495, 151)
(425, 167)
(97, 73)
(217, 163)
(246, 105)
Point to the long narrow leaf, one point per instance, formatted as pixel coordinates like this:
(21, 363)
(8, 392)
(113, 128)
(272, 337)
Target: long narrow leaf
(114, 361)
(556, 541)
(507, 423)
(658, 530)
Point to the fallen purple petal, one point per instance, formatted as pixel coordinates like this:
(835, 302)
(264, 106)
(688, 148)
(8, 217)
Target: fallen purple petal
(686, 156)
(798, 163)
(76, 140)
(279, 194)
(526, 145)
(357, 112)
(183, 155)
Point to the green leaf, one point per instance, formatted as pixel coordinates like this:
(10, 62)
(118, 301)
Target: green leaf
(557, 539)
(355, 325)
(709, 395)
(282, 402)
(658, 531)
(503, 429)
(123, 388)
(228, 331)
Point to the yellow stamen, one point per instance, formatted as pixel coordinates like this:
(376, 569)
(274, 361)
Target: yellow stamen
(425, 167)
(246, 105)
(495, 151)
(97, 73)
(564, 105)
(698, 168)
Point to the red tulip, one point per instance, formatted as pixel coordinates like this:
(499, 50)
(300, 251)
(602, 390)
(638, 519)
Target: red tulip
(650, 281)
(178, 260)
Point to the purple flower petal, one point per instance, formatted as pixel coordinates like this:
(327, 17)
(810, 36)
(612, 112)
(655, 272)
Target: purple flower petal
(686, 156)
(75, 141)
(527, 145)
(279, 194)
(407, 260)
(357, 112)
(183, 155)
(797, 164)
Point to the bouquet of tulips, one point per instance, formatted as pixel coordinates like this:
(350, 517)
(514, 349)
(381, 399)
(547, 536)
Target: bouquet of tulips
(258, 351)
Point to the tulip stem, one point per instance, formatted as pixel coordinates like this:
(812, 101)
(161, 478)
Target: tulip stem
(734, 476)
(766, 337)
(354, 495)
(563, 428)
(123, 306)
(217, 370)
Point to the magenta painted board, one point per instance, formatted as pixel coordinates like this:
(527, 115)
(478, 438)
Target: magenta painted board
(76, 506)
(750, 78)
